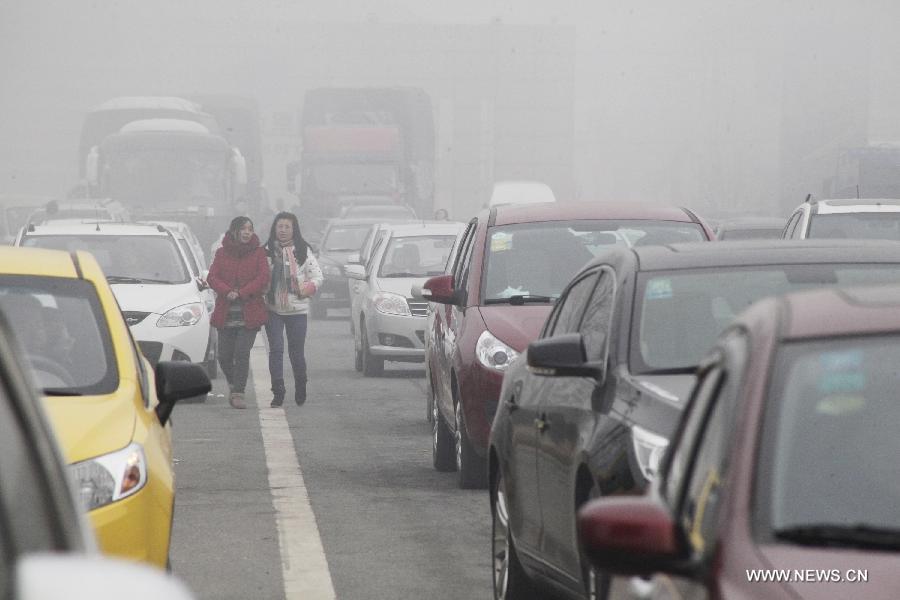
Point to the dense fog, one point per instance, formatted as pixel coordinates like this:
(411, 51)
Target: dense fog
(725, 106)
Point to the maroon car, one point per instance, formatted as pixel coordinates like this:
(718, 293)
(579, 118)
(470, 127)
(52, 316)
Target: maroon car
(781, 482)
(510, 265)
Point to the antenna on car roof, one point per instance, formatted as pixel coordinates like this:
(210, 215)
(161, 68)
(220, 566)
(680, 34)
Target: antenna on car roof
(808, 198)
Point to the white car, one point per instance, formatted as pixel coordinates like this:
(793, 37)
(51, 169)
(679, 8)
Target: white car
(877, 219)
(390, 322)
(163, 301)
(520, 192)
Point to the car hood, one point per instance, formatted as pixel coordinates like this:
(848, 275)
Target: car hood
(515, 326)
(154, 298)
(884, 578)
(400, 285)
(89, 426)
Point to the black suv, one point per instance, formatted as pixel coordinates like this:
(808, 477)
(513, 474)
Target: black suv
(592, 411)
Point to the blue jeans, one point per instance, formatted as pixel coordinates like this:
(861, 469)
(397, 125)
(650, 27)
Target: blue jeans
(295, 326)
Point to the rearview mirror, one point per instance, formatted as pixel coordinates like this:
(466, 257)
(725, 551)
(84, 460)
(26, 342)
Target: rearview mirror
(355, 272)
(563, 356)
(440, 289)
(176, 380)
(632, 535)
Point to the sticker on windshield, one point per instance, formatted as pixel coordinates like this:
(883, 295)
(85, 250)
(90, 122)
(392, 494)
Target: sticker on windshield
(843, 360)
(658, 289)
(501, 241)
(835, 406)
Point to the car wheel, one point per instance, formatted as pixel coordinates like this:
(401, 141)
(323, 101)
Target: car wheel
(510, 580)
(470, 467)
(319, 310)
(372, 366)
(441, 442)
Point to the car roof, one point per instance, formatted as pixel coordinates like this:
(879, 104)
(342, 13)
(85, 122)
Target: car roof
(510, 214)
(40, 262)
(856, 205)
(761, 252)
(831, 312)
(425, 228)
(97, 228)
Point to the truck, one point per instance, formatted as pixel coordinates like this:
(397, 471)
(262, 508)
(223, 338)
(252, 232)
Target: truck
(171, 169)
(364, 146)
(871, 171)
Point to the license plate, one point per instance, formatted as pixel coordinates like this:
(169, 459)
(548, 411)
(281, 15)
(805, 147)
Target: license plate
(326, 295)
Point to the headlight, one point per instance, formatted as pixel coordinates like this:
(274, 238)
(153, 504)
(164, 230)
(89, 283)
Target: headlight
(331, 270)
(110, 477)
(649, 449)
(493, 353)
(181, 316)
(391, 304)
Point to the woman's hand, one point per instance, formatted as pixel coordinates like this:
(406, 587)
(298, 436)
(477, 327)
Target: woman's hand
(232, 295)
(308, 288)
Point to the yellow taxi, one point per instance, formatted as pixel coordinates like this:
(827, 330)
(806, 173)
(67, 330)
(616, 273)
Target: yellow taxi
(109, 408)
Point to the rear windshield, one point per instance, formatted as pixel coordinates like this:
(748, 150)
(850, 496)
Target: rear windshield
(734, 235)
(678, 314)
(539, 259)
(345, 239)
(133, 258)
(61, 328)
(872, 226)
(829, 432)
(416, 256)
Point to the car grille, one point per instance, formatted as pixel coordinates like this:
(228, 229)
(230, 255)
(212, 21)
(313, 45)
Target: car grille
(151, 350)
(417, 309)
(133, 317)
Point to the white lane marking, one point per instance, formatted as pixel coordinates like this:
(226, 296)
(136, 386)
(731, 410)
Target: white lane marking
(303, 563)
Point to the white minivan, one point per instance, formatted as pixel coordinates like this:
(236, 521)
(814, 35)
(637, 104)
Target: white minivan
(164, 302)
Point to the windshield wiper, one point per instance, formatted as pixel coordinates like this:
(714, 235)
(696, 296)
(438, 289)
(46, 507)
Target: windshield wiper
(123, 279)
(520, 299)
(860, 535)
(404, 274)
(60, 392)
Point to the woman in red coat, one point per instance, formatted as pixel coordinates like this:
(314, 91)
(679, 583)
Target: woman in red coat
(240, 277)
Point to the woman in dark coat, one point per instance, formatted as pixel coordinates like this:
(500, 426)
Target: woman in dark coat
(240, 276)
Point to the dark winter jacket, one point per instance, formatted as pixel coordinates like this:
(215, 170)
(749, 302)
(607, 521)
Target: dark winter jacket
(241, 268)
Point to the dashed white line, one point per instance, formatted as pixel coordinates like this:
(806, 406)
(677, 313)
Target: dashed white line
(303, 562)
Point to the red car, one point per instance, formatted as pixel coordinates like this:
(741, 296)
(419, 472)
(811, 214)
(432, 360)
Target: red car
(510, 265)
(781, 482)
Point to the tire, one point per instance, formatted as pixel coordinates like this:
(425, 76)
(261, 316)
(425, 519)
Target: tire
(318, 310)
(471, 468)
(510, 582)
(372, 366)
(442, 448)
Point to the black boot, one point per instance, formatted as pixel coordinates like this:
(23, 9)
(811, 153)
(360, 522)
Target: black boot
(300, 392)
(277, 393)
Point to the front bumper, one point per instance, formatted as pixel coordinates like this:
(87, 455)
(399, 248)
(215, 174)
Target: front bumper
(480, 395)
(172, 343)
(396, 337)
(137, 528)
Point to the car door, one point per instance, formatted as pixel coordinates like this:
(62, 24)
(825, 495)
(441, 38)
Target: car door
(447, 321)
(365, 289)
(566, 420)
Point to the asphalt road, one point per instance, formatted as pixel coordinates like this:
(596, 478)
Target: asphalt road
(391, 526)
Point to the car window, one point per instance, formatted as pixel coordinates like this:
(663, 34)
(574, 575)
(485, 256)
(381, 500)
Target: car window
(373, 257)
(62, 329)
(186, 248)
(568, 316)
(460, 251)
(416, 256)
(791, 225)
(464, 262)
(155, 259)
(595, 325)
(345, 238)
(871, 226)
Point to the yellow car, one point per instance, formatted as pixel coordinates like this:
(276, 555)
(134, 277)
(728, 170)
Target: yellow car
(108, 407)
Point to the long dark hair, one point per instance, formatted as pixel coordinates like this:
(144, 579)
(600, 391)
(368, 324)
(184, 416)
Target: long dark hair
(301, 247)
(235, 226)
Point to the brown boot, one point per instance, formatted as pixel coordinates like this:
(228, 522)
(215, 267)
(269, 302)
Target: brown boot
(236, 400)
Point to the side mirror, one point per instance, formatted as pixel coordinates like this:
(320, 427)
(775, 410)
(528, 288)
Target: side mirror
(176, 380)
(292, 173)
(355, 272)
(354, 259)
(440, 289)
(77, 577)
(562, 356)
(632, 535)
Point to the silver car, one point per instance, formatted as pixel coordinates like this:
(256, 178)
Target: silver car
(389, 322)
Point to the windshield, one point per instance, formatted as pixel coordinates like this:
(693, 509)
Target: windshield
(678, 314)
(874, 226)
(539, 259)
(347, 239)
(354, 178)
(830, 436)
(165, 178)
(61, 328)
(418, 256)
(137, 258)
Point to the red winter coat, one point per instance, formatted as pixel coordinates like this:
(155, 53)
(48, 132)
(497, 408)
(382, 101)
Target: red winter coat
(241, 268)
